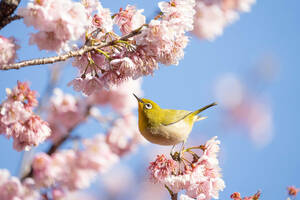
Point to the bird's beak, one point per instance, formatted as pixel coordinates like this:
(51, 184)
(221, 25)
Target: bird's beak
(139, 100)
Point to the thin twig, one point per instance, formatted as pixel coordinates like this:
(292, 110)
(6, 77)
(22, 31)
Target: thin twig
(173, 195)
(74, 53)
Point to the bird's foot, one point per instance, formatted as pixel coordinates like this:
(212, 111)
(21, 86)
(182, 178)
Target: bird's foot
(176, 156)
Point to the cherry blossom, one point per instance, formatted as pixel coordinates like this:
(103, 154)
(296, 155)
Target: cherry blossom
(201, 179)
(31, 133)
(58, 22)
(213, 16)
(19, 121)
(160, 41)
(161, 168)
(8, 48)
(129, 19)
(12, 189)
(118, 97)
(65, 112)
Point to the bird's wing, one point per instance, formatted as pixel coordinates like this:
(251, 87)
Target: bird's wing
(173, 116)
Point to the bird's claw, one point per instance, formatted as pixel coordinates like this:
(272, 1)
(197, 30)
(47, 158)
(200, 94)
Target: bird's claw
(176, 156)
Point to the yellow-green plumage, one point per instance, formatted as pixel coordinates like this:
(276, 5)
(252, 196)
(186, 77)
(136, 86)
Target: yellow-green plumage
(166, 126)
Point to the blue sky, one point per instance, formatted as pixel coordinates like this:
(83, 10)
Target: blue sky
(270, 29)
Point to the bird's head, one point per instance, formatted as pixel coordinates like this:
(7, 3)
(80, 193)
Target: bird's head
(149, 108)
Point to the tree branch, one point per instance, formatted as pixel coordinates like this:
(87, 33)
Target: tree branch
(74, 53)
(7, 8)
(9, 19)
(173, 195)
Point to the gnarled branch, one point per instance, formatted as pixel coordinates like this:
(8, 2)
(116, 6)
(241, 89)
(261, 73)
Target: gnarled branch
(7, 8)
(9, 19)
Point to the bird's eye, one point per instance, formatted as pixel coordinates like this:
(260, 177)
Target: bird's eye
(148, 106)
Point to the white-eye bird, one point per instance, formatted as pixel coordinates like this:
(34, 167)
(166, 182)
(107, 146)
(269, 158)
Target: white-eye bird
(166, 126)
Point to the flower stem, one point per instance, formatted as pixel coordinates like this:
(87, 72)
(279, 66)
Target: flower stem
(173, 195)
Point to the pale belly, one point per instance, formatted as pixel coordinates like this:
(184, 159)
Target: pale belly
(168, 135)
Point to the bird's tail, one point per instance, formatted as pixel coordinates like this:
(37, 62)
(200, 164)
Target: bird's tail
(202, 109)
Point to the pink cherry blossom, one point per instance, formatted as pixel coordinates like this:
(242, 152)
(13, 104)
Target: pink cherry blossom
(129, 19)
(91, 5)
(119, 97)
(87, 84)
(58, 194)
(201, 179)
(213, 16)
(84, 65)
(13, 112)
(103, 19)
(12, 189)
(74, 169)
(33, 132)
(161, 168)
(57, 21)
(23, 93)
(163, 40)
(2, 126)
(8, 48)
(46, 40)
(19, 121)
(97, 154)
(210, 20)
(179, 14)
(124, 135)
(43, 170)
(65, 112)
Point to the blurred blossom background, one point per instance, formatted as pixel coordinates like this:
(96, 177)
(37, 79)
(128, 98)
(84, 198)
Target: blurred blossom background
(251, 70)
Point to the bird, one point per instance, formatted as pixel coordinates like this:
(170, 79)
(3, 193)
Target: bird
(166, 126)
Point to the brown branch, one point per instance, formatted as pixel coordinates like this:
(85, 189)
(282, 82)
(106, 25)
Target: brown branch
(74, 53)
(9, 19)
(174, 196)
(7, 8)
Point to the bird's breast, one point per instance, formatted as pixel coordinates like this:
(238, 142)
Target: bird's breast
(167, 134)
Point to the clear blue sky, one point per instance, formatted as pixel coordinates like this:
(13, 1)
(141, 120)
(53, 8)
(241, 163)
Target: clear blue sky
(271, 28)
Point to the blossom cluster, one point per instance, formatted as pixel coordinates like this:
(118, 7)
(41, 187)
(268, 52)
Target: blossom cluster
(212, 16)
(57, 22)
(17, 119)
(200, 178)
(12, 189)
(8, 48)
(64, 113)
(160, 41)
(73, 169)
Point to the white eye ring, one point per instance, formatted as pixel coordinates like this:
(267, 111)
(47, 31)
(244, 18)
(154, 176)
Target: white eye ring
(148, 106)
